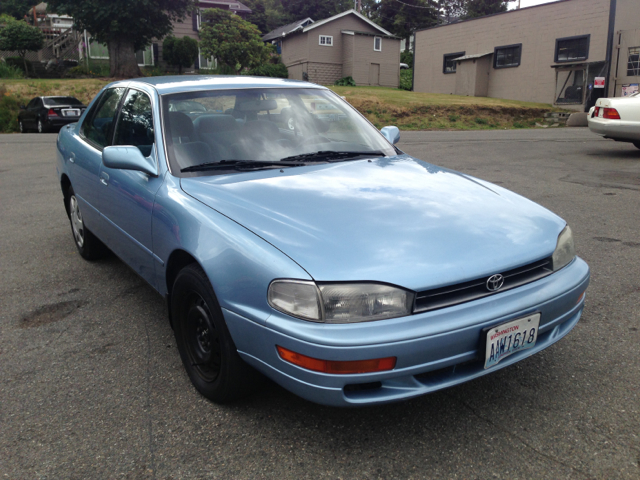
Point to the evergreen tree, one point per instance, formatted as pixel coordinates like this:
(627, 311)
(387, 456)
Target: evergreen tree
(480, 8)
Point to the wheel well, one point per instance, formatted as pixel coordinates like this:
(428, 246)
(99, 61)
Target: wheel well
(177, 261)
(65, 184)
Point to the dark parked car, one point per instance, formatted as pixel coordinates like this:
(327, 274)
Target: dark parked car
(44, 114)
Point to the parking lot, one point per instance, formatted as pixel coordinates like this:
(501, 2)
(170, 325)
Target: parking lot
(91, 383)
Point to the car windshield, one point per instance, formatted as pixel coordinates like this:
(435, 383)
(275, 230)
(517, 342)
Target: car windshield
(300, 125)
(61, 101)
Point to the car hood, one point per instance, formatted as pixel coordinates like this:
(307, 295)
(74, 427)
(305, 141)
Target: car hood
(397, 220)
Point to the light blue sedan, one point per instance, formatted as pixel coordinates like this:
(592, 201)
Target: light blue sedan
(312, 251)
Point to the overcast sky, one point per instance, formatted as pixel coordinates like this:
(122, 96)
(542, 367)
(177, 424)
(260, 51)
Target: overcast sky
(528, 3)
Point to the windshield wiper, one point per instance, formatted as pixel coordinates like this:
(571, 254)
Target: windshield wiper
(326, 155)
(239, 165)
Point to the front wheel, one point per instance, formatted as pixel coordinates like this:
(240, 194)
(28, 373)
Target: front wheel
(88, 245)
(206, 348)
(21, 125)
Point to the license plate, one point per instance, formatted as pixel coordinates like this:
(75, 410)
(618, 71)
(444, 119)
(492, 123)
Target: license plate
(71, 113)
(511, 337)
(601, 112)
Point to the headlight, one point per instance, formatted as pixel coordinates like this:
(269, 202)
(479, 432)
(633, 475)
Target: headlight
(565, 250)
(339, 302)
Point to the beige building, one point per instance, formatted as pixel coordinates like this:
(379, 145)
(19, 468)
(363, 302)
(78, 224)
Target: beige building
(345, 45)
(553, 53)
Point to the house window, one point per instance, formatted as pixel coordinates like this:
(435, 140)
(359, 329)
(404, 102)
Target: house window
(449, 63)
(326, 40)
(206, 63)
(377, 44)
(572, 48)
(507, 56)
(633, 64)
(570, 86)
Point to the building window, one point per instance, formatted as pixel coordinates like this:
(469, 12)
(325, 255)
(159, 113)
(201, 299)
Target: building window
(449, 63)
(206, 63)
(572, 48)
(377, 44)
(507, 56)
(326, 40)
(633, 64)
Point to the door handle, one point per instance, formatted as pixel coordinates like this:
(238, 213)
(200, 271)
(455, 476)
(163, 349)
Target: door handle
(104, 178)
(72, 157)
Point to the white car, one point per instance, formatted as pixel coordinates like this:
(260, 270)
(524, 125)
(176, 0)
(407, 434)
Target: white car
(617, 118)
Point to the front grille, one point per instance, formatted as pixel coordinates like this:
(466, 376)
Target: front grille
(466, 292)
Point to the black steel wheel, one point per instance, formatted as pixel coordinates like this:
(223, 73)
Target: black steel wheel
(206, 348)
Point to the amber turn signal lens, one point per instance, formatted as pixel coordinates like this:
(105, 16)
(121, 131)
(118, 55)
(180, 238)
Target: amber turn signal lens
(580, 298)
(337, 367)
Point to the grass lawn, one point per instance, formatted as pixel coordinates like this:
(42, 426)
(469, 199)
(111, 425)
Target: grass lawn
(382, 106)
(432, 111)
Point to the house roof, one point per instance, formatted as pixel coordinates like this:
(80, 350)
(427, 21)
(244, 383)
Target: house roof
(230, 4)
(340, 15)
(287, 29)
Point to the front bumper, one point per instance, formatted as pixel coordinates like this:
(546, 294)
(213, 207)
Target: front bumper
(434, 350)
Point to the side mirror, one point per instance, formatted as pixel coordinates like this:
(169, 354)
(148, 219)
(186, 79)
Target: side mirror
(128, 158)
(392, 134)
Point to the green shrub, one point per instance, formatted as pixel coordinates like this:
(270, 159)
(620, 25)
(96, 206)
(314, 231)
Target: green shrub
(481, 121)
(277, 70)
(180, 52)
(406, 79)
(407, 57)
(346, 82)
(9, 109)
(9, 71)
(454, 118)
(17, 62)
(93, 69)
(153, 71)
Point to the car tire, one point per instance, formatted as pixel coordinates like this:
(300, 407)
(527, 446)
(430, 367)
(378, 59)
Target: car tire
(636, 144)
(206, 348)
(88, 245)
(42, 127)
(22, 127)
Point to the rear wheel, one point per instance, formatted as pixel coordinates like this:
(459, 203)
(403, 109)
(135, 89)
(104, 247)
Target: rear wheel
(22, 129)
(207, 350)
(42, 127)
(89, 247)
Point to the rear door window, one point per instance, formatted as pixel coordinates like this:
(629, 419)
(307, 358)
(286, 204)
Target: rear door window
(98, 126)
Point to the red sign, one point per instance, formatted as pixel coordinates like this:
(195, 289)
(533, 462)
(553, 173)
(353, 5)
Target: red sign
(598, 82)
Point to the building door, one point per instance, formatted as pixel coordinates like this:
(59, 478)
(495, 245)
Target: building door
(374, 74)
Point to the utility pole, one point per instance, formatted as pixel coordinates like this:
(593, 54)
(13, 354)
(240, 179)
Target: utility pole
(359, 6)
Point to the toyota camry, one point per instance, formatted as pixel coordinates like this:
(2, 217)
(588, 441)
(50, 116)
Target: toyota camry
(291, 239)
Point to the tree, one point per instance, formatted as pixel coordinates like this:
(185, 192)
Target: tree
(452, 10)
(404, 18)
(19, 36)
(480, 8)
(17, 8)
(258, 14)
(316, 9)
(234, 42)
(181, 53)
(125, 26)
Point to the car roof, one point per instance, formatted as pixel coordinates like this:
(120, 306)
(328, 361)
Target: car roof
(195, 83)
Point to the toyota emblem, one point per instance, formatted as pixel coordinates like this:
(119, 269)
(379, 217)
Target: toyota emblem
(495, 282)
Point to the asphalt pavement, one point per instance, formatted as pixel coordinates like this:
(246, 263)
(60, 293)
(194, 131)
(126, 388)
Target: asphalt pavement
(91, 383)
